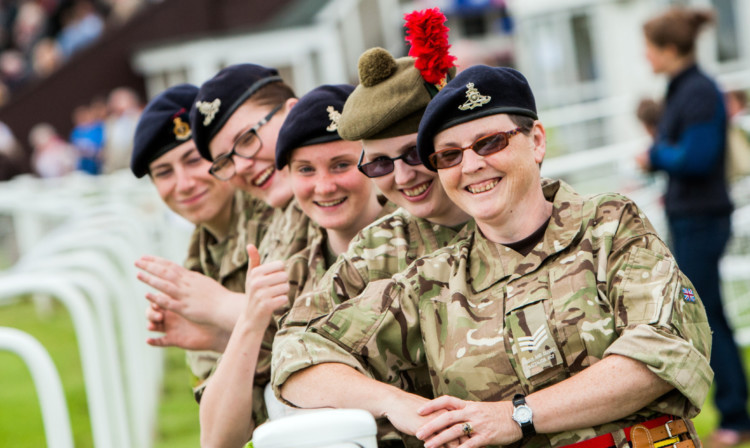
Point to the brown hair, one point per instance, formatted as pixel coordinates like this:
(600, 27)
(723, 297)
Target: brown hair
(679, 27)
(525, 123)
(271, 95)
(649, 112)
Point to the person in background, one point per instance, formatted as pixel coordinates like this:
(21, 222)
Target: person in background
(690, 146)
(87, 137)
(13, 161)
(123, 111)
(649, 114)
(52, 156)
(738, 140)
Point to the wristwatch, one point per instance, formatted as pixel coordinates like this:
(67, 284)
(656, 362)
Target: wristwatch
(523, 416)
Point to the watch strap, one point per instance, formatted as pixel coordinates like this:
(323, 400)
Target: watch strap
(526, 427)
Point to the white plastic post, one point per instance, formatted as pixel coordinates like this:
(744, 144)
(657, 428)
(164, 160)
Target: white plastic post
(328, 428)
(47, 382)
(84, 322)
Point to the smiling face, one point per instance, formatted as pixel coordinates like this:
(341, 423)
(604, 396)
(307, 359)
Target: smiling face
(330, 189)
(415, 188)
(181, 177)
(498, 188)
(256, 176)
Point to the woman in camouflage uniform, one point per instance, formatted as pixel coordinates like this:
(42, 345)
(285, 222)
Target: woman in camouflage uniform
(339, 201)
(555, 320)
(235, 120)
(164, 150)
(385, 115)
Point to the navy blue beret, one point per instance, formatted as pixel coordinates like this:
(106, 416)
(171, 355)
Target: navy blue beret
(164, 124)
(221, 95)
(478, 91)
(313, 120)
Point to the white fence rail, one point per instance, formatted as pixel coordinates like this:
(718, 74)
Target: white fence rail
(47, 382)
(77, 239)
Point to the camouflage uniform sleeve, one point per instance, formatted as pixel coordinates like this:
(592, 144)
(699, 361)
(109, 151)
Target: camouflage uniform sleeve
(295, 349)
(258, 216)
(193, 259)
(658, 323)
(380, 328)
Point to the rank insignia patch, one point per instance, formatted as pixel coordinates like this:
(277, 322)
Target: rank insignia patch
(334, 116)
(208, 110)
(474, 99)
(181, 129)
(688, 295)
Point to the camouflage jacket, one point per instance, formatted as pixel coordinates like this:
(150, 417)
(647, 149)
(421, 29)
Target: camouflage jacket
(382, 249)
(226, 262)
(490, 323)
(307, 268)
(287, 234)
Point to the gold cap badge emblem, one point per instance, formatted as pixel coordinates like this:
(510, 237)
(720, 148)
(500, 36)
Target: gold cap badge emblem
(181, 129)
(208, 110)
(334, 116)
(474, 99)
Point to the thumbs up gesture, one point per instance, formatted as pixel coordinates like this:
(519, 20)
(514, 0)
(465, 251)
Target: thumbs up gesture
(266, 288)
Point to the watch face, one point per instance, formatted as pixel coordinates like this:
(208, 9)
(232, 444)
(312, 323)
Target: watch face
(522, 414)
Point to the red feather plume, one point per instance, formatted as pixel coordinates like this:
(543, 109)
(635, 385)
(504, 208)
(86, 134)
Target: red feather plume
(428, 36)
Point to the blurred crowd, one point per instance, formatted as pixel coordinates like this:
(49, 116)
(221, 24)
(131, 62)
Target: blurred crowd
(37, 36)
(100, 142)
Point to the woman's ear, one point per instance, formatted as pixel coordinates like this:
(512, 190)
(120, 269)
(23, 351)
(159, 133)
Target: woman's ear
(290, 103)
(539, 137)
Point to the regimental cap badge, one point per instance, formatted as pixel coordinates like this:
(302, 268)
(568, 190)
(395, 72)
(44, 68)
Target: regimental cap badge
(474, 99)
(181, 129)
(208, 110)
(334, 116)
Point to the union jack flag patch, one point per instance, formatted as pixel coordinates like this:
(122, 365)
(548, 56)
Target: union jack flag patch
(688, 295)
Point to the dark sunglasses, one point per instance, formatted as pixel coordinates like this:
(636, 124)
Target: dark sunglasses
(484, 146)
(384, 165)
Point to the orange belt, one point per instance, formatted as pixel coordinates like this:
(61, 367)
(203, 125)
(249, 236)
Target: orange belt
(660, 428)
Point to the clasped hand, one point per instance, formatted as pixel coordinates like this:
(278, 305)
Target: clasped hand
(490, 423)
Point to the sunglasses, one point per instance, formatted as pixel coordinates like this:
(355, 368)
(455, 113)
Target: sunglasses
(484, 146)
(384, 165)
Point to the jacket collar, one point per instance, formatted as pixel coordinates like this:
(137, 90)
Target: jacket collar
(564, 225)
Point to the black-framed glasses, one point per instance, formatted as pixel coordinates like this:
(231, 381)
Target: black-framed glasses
(246, 146)
(484, 146)
(384, 165)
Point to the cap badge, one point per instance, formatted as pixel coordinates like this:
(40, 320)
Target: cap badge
(334, 116)
(208, 110)
(181, 129)
(474, 98)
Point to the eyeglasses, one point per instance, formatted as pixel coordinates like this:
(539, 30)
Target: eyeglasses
(384, 164)
(484, 146)
(246, 146)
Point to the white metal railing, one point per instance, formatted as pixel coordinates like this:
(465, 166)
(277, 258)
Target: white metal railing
(47, 382)
(96, 227)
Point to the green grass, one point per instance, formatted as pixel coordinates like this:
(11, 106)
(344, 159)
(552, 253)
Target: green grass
(177, 426)
(20, 415)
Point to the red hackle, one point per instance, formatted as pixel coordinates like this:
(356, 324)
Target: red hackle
(428, 36)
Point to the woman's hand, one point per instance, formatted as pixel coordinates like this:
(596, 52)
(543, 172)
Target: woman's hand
(180, 332)
(643, 160)
(193, 295)
(266, 289)
(490, 422)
